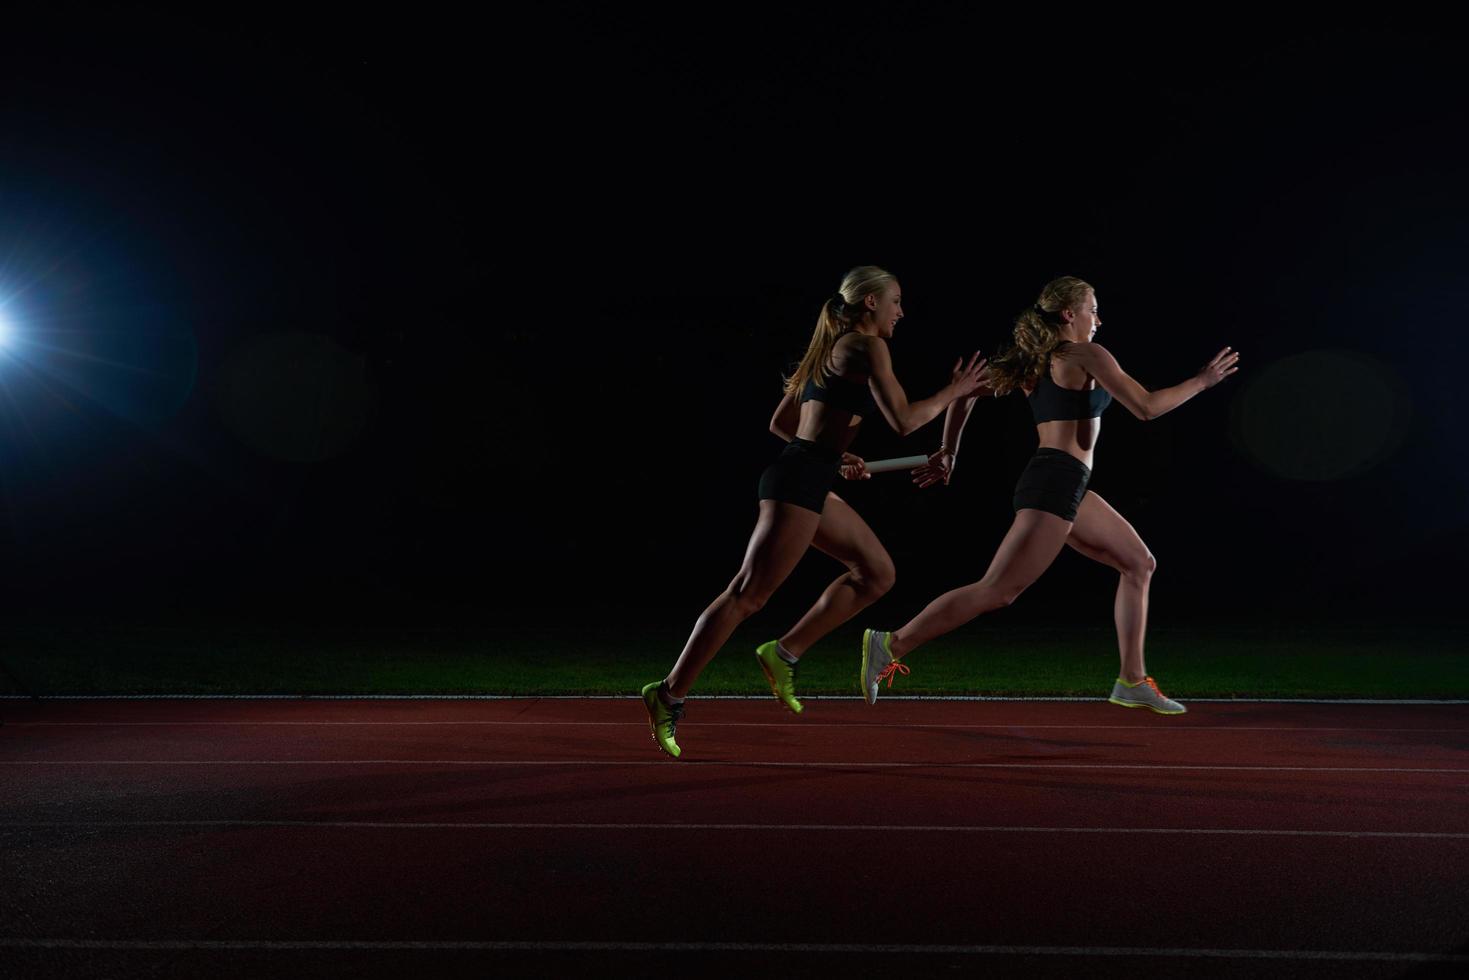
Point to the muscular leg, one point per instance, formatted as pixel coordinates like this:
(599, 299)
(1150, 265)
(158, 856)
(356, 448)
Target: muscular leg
(1032, 543)
(845, 536)
(1104, 535)
(781, 536)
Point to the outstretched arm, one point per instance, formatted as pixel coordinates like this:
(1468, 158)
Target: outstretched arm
(940, 465)
(1145, 404)
(905, 416)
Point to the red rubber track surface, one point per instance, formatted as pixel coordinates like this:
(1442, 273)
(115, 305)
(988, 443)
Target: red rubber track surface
(539, 837)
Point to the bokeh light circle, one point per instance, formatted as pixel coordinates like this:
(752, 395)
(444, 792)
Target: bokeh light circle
(1321, 415)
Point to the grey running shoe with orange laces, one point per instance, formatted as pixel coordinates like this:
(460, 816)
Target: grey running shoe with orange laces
(1144, 694)
(878, 663)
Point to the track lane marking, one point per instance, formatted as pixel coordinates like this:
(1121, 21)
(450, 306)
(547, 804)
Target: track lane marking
(825, 828)
(613, 763)
(1170, 728)
(226, 945)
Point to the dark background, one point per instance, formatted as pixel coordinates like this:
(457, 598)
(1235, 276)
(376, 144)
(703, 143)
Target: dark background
(481, 319)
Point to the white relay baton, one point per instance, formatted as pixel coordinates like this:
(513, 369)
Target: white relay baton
(900, 463)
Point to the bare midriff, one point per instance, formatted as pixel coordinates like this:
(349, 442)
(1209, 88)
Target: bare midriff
(1075, 436)
(829, 427)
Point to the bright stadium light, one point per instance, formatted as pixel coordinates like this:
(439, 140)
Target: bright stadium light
(7, 332)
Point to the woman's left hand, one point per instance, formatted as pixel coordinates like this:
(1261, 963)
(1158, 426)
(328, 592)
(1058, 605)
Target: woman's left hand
(938, 469)
(854, 468)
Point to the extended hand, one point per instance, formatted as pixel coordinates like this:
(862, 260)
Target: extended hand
(1221, 367)
(968, 379)
(986, 383)
(938, 469)
(854, 468)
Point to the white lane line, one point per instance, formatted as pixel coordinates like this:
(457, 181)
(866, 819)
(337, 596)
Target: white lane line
(1171, 728)
(610, 763)
(824, 828)
(1089, 699)
(225, 945)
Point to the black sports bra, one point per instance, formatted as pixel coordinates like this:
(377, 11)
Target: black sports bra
(1049, 402)
(851, 396)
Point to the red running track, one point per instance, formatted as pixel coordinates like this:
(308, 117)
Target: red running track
(541, 837)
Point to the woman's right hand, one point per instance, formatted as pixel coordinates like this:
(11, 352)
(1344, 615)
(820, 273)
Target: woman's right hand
(938, 469)
(1221, 367)
(967, 379)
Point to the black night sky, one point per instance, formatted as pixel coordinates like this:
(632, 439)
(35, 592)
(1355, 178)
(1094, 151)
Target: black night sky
(420, 319)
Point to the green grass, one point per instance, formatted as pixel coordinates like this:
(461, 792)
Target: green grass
(1338, 662)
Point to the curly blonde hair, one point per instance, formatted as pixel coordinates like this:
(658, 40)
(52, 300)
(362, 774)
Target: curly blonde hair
(1037, 335)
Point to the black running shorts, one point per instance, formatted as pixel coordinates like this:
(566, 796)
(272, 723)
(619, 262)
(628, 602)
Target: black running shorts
(802, 475)
(1053, 481)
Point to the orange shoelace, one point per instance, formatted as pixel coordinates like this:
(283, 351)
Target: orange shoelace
(1154, 685)
(892, 670)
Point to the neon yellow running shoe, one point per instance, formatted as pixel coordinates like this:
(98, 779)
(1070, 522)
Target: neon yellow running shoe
(662, 719)
(781, 675)
(1144, 694)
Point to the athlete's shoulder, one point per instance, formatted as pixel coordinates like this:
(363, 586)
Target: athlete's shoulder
(859, 340)
(1084, 351)
(860, 346)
